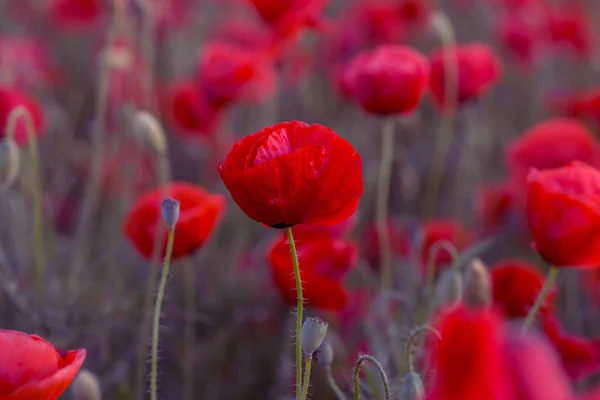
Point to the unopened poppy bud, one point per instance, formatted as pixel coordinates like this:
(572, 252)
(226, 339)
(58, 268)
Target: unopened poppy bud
(478, 287)
(412, 387)
(325, 354)
(9, 163)
(147, 129)
(313, 334)
(170, 212)
(449, 289)
(86, 386)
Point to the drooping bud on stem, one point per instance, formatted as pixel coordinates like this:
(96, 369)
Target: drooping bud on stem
(382, 374)
(411, 339)
(170, 212)
(325, 355)
(9, 163)
(313, 334)
(412, 387)
(478, 286)
(86, 386)
(432, 258)
(149, 131)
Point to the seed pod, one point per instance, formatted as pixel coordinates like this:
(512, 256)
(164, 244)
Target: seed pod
(313, 334)
(448, 290)
(478, 287)
(170, 212)
(9, 163)
(86, 386)
(149, 131)
(325, 354)
(412, 387)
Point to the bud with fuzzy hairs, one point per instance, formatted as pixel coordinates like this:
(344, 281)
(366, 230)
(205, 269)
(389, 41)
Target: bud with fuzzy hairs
(10, 161)
(412, 387)
(86, 386)
(149, 131)
(449, 289)
(325, 355)
(170, 212)
(477, 291)
(313, 334)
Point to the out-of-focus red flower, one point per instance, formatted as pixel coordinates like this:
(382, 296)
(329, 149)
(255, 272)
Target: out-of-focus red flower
(551, 144)
(294, 173)
(75, 14)
(399, 241)
(33, 369)
(227, 73)
(534, 368)
(11, 99)
(443, 229)
(27, 62)
(494, 206)
(389, 79)
(200, 212)
(522, 39)
(585, 104)
(243, 33)
(324, 260)
(563, 211)
(415, 12)
(570, 28)
(515, 287)
(468, 360)
(580, 357)
(188, 110)
(479, 69)
(287, 17)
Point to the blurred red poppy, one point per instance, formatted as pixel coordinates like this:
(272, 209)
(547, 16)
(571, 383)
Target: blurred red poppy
(74, 14)
(11, 99)
(563, 211)
(569, 28)
(468, 360)
(479, 69)
(294, 173)
(27, 62)
(586, 104)
(443, 229)
(200, 212)
(227, 73)
(522, 39)
(494, 206)
(516, 285)
(287, 17)
(389, 79)
(324, 260)
(31, 368)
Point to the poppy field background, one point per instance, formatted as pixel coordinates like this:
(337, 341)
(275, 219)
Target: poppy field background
(436, 162)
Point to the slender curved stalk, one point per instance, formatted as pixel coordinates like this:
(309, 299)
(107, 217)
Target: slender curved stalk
(409, 343)
(157, 310)
(382, 374)
(21, 113)
(307, 369)
(148, 51)
(541, 298)
(383, 194)
(445, 32)
(334, 386)
(189, 288)
(432, 255)
(294, 253)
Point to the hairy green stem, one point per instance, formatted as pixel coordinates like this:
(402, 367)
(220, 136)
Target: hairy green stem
(383, 194)
(189, 288)
(157, 310)
(294, 253)
(529, 320)
(307, 369)
(409, 343)
(382, 374)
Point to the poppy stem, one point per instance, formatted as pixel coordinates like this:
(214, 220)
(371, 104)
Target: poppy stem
(334, 386)
(21, 113)
(431, 258)
(411, 340)
(383, 194)
(157, 310)
(382, 374)
(189, 283)
(306, 376)
(530, 319)
(290, 238)
(445, 32)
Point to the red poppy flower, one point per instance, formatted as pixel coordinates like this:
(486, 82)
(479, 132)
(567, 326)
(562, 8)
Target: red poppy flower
(414, 12)
(389, 79)
(494, 206)
(563, 211)
(570, 28)
(11, 99)
(515, 287)
(324, 260)
(580, 357)
(294, 173)
(227, 73)
(478, 70)
(521, 39)
(188, 110)
(288, 16)
(74, 14)
(551, 144)
(585, 104)
(33, 369)
(443, 229)
(27, 62)
(200, 211)
(468, 359)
